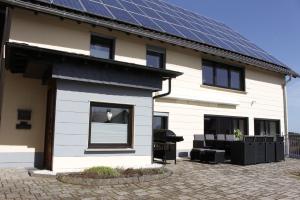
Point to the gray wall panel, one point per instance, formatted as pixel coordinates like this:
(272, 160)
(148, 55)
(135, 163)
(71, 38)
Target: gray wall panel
(70, 105)
(71, 128)
(142, 130)
(69, 139)
(72, 116)
(143, 140)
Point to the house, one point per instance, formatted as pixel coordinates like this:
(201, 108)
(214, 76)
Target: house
(83, 82)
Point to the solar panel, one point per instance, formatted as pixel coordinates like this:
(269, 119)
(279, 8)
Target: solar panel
(168, 28)
(151, 13)
(71, 4)
(96, 8)
(114, 3)
(139, 2)
(188, 33)
(147, 22)
(154, 6)
(168, 18)
(161, 16)
(131, 7)
(122, 15)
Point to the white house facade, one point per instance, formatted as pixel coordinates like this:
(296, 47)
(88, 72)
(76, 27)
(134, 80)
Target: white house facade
(77, 91)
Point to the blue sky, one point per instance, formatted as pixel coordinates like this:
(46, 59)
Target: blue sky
(274, 25)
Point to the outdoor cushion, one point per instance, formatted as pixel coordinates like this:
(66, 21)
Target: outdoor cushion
(230, 138)
(209, 137)
(220, 137)
(198, 137)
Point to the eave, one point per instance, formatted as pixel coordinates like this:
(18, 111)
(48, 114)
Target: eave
(164, 73)
(46, 64)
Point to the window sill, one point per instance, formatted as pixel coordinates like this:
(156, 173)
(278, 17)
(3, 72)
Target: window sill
(223, 89)
(108, 151)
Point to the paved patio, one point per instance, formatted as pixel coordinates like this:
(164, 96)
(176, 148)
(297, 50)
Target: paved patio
(190, 181)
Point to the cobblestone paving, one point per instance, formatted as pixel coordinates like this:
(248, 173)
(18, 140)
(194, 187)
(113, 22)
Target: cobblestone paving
(191, 180)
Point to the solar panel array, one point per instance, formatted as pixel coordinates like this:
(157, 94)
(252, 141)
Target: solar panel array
(164, 17)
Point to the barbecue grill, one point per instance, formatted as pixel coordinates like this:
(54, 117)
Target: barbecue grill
(165, 144)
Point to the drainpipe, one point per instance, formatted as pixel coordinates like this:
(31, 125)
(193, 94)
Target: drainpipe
(167, 93)
(286, 134)
(155, 97)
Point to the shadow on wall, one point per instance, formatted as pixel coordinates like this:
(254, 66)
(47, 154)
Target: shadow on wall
(264, 76)
(39, 159)
(195, 103)
(102, 89)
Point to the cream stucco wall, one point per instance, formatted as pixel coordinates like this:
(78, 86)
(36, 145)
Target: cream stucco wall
(263, 97)
(190, 100)
(23, 93)
(64, 35)
(20, 145)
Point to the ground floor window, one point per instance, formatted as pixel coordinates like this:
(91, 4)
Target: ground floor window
(224, 124)
(160, 120)
(267, 127)
(110, 125)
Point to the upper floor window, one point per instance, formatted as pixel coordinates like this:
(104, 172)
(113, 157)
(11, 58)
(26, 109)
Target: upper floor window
(267, 127)
(102, 47)
(221, 75)
(156, 57)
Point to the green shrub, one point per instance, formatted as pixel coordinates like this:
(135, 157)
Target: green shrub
(105, 172)
(238, 134)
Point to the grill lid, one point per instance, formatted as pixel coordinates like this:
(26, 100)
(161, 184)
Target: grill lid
(165, 135)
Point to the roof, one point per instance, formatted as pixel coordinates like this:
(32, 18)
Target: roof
(158, 19)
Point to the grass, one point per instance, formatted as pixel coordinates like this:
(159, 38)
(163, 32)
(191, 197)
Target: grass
(104, 172)
(108, 172)
(140, 172)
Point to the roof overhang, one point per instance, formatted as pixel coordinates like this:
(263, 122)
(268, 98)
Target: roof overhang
(41, 63)
(111, 24)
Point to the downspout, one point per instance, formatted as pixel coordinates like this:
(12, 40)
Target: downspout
(286, 134)
(156, 97)
(167, 93)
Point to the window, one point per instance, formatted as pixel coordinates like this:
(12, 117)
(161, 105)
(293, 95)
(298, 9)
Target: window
(235, 81)
(160, 120)
(156, 57)
(267, 127)
(110, 126)
(224, 124)
(102, 47)
(208, 74)
(220, 75)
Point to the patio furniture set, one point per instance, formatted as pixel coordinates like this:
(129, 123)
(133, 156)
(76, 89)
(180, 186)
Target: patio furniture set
(250, 150)
(220, 148)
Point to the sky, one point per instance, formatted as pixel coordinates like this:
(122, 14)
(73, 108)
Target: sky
(273, 25)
